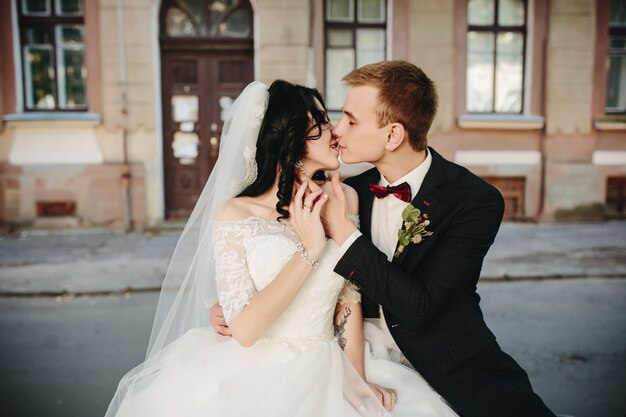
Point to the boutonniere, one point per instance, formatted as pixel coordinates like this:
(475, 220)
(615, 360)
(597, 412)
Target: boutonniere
(414, 230)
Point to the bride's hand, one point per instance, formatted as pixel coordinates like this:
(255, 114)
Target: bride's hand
(386, 396)
(304, 214)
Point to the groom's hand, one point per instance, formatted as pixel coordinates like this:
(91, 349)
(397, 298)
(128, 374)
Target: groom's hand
(386, 396)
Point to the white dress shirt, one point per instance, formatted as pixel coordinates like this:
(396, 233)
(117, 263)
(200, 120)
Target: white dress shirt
(386, 221)
(387, 211)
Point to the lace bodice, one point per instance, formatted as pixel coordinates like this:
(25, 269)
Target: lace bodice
(248, 255)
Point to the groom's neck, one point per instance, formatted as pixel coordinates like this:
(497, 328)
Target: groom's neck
(396, 165)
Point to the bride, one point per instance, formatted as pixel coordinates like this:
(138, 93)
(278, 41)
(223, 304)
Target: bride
(256, 244)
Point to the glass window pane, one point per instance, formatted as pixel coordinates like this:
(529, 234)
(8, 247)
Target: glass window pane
(39, 75)
(479, 82)
(36, 7)
(481, 12)
(618, 12)
(616, 84)
(237, 24)
(511, 12)
(617, 44)
(340, 10)
(372, 11)
(337, 37)
(339, 62)
(370, 46)
(73, 81)
(69, 7)
(509, 72)
(216, 10)
(38, 35)
(70, 35)
(178, 23)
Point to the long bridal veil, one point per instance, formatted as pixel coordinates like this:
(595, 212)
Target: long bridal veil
(189, 287)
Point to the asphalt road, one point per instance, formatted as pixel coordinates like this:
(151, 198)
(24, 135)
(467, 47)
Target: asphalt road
(64, 357)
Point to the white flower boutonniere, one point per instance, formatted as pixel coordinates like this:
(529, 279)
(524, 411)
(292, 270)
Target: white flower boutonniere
(414, 231)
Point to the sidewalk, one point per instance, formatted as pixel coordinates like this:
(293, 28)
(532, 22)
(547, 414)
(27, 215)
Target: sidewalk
(100, 261)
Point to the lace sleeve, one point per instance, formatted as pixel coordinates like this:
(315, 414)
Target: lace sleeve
(234, 284)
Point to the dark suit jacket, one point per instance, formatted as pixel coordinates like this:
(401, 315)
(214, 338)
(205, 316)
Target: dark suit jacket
(429, 296)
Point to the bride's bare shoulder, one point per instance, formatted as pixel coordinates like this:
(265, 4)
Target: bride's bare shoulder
(238, 208)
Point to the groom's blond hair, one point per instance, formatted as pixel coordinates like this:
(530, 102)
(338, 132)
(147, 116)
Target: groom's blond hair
(405, 95)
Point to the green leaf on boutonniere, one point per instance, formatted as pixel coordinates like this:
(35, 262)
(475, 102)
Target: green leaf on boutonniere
(414, 228)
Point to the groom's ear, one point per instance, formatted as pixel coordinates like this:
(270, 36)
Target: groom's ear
(395, 136)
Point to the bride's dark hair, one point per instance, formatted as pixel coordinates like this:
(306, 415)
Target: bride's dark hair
(282, 139)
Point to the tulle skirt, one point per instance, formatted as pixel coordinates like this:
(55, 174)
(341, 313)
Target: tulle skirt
(200, 376)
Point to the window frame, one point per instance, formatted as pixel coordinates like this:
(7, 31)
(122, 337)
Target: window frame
(214, 33)
(353, 25)
(51, 22)
(495, 29)
(620, 31)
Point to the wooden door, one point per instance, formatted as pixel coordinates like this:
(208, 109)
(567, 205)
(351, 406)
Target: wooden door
(198, 89)
(207, 59)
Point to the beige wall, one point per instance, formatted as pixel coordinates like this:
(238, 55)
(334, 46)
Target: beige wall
(569, 68)
(84, 160)
(77, 160)
(142, 136)
(283, 38)
(431, 47)
(572, 177)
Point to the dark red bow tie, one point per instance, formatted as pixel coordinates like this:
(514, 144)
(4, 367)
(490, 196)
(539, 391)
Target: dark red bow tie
(401, 191)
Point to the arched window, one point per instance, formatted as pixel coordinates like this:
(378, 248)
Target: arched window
(206, 19)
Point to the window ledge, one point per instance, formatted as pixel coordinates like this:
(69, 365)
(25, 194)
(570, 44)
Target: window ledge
(501, 121)
(78, 118)
(610, 123)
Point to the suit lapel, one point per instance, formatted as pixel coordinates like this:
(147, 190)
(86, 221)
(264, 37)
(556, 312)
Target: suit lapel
(366, 202)
(426, 198)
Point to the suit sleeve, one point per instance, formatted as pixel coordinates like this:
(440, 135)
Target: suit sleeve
(416, 298)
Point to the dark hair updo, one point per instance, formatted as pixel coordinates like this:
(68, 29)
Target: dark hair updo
(282, 139)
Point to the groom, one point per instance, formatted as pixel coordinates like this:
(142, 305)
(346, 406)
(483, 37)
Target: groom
(424, 283)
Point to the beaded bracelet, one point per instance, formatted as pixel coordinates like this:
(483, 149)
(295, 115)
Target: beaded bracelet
(313, 263)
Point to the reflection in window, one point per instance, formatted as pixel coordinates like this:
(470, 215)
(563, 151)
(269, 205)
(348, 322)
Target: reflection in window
(616, 71)
(69, 7)
(35, 7)
(355, 36)
(53, 54)
(73, 74)
(208, 18)
(178, 23)
(495, 56)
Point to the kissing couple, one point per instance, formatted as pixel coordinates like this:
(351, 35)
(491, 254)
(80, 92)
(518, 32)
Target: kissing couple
(331, 299)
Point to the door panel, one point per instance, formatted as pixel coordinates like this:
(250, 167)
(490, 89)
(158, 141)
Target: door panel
(210, 81)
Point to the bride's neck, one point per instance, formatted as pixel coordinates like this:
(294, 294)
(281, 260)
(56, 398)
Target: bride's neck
(269, 197)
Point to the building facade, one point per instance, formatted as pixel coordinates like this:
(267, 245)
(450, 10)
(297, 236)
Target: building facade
(111, 110)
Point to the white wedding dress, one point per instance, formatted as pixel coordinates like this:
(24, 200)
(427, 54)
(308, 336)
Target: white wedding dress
(296, 369)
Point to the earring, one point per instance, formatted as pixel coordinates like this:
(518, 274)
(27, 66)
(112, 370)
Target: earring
(300, 166)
